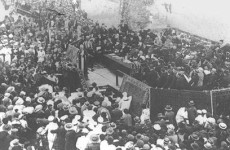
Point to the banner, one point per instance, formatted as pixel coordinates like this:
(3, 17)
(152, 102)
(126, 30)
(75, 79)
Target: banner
(139, 91)
(72, 54)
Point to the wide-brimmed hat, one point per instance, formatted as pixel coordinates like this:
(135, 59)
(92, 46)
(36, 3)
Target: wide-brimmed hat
(51, 118)
(63, 118)
(94, 138)
(157, 127)
(113, 125)
(222, 126)
(41, 100)
(207, 146)
(6, 127)
(168, 108)
(194, 137)
(38, 108)
(68, 126)
(14, 142)
(109, 131)
(191, 103)
(73, 110)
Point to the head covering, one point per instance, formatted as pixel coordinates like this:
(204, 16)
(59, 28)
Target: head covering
(191, 103)
(157, 127)
(73, 110)
(41, 100)
(113, 125)
(222, 126)
(195, 146)
(94, 138)
(50, 118)
(68, 126)
(28, 99)
(140, 143)
(109, 131)
(7, 95)
(50, 102)
(130, 137)
(38, 108)
(207, 146)
(204, 111)
(20, 101)
(6, 127)
(63, 118)
(194, 137)
(168, 108)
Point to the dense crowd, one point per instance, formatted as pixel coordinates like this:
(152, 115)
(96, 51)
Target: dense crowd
(42, 111)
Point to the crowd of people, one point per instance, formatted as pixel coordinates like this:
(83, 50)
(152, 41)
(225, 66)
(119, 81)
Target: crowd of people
(41, 111)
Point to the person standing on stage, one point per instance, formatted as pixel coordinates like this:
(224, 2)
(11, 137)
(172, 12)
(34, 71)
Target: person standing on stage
(83, 60)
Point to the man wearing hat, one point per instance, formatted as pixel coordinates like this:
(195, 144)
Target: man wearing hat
(192, 112)
(70, 137)
(169, 114)
(94, 143)
(5, 137)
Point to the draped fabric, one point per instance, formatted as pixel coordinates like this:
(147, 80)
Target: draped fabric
(139, 91)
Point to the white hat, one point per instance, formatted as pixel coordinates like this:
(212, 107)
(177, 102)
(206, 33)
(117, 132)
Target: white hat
(40, 130)
(3, 26)
(10, 89)
(7, 95)
(11, 36)
(204, 111)
(157, 127)
(222, 126)
(50, 118)
(211, 120)
(199, 111)
(20, 101)
(64, 117)
(38, 108)
(68, 126)
(50, 102)
(28, 110)
(41, 100)
(28, 99)
(22, 93)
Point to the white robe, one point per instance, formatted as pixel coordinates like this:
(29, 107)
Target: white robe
(51, 136)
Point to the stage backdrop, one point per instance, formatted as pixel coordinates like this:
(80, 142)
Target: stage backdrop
(139, 91)
(178, 98)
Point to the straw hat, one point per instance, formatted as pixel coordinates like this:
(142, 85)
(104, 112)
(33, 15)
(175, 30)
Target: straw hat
(168, 108)
(157, 127)
(73, 110)
(50, 118)
(41, 100)
(68, 126)
(222, 126)
(94, 138)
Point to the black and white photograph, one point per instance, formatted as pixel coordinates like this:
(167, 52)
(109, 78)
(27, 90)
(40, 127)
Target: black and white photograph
(114, 75)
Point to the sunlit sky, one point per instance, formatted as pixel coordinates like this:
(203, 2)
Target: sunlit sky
(208, 18)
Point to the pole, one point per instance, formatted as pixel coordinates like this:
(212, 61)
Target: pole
(211, 102)
(117, 84)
